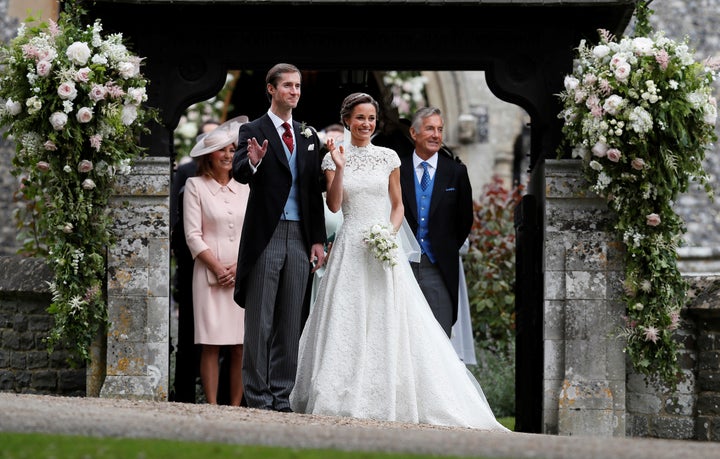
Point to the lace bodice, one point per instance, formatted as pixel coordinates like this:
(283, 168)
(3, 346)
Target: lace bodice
(365, 179)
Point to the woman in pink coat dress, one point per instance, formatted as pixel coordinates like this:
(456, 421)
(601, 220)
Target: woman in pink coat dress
(214, 213)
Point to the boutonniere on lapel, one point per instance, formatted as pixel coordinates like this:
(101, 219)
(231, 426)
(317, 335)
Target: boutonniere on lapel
(306, 131)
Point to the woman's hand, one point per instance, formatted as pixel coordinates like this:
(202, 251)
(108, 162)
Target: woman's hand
(337, 154)
(226, 278)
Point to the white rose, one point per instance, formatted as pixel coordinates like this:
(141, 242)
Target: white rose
(571, 83)
(613, 104)
(710, 111)
(643, 46)
(129, 114)
(126, 69)
(78, 53)
(136, 95)
(84, 115)
(622, 71)
(601, 51)
(599, 149)
(13, 107)
(33, 104)
(88, 184)
(58, 120)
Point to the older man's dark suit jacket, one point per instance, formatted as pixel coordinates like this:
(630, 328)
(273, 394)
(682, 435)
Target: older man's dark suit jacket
(269, 190)
(451, 215)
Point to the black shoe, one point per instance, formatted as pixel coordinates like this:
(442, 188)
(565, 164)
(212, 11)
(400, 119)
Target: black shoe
(286, 409)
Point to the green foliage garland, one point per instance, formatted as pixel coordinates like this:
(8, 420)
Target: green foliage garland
(640, 114)
(71, 99)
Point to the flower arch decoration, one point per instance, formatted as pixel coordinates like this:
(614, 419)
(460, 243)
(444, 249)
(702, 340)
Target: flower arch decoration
(72, 101)
(640, 113)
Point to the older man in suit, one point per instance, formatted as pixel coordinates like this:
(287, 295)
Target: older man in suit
(438, 207)
(282, 242)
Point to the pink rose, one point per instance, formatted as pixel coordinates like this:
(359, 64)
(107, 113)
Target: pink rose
(638, 164)
(43, 166)
(652, 219)
(50, 145)
(67, 90)
(84, 115)
(88, 184)
(85, 166)
(43, 68)
(97, 92)
(83, 75)
(613, 154)
(58, 120)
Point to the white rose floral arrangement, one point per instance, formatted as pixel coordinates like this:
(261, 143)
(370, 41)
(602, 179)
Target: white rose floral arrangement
(381, 241)
(640, 114)
(72, 102)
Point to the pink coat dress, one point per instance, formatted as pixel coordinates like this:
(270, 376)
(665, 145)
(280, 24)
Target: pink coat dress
(214, 216)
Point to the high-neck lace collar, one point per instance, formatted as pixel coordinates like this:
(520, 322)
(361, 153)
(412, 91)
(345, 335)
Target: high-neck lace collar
(360, 149)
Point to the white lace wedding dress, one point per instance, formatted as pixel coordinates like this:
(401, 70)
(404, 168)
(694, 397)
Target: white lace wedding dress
(371, 347)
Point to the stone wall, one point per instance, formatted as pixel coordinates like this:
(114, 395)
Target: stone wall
(693, 411)
(590, 386)
(25, 364)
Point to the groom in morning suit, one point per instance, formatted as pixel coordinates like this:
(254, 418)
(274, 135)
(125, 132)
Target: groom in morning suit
(282, 242)
(437, 196)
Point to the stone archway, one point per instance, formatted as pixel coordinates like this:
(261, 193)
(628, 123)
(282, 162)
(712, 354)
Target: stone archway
(525, 50)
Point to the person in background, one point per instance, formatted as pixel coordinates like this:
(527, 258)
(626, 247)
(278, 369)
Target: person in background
(187, 356)
(437, 197)
(279, 158)
(371, 347)
(214, 214)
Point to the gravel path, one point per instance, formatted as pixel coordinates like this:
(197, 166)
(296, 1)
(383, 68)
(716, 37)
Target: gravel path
(145, 419)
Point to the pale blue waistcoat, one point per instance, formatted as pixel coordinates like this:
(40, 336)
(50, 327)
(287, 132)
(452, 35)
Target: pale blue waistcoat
(422, 199)
(292, 205)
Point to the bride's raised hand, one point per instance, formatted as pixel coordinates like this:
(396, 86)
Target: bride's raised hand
(337, 154)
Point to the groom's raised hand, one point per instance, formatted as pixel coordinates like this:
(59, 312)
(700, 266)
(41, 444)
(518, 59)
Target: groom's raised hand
(255, 151)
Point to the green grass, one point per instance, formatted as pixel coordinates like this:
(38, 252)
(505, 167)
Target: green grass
(42, 446)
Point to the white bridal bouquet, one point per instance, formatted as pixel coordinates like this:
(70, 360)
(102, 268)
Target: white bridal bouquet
(72, 101)
(640, 114)
(382, 243)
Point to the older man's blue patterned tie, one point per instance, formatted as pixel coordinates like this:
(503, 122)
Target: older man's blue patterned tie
(425, 180)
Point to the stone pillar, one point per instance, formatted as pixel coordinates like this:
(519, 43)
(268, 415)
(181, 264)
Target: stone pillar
(584, 382)
(138, 285)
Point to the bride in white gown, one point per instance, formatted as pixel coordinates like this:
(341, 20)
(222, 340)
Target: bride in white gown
(371, 347)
